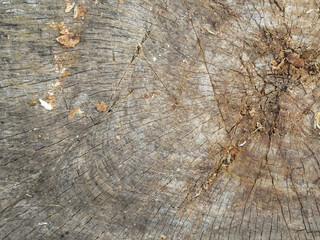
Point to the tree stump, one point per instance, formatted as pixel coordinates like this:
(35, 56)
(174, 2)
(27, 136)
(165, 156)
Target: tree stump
(140, 119)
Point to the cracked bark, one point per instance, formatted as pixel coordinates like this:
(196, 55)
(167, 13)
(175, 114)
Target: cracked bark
(208, 133)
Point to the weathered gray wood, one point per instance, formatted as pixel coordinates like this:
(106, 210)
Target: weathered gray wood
(202, 137)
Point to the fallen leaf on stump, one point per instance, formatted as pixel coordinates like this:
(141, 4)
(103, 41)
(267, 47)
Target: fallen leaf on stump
(295, 60)
(69, 40)
(102, 107)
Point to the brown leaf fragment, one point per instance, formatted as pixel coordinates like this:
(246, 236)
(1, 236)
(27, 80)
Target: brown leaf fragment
(233, 151)
(32, 102)
(295, 60)
(73, 112)
(69, 40)
(80, 12)
(102, 107)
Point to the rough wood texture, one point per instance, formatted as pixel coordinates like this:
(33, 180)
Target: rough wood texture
(210, 127)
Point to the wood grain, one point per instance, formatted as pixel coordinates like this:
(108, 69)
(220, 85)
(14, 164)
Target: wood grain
(205, 134)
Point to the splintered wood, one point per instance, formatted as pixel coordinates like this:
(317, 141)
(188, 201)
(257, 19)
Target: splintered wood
(69, 6)
(101, 107)
(317, 120)
(73, 112)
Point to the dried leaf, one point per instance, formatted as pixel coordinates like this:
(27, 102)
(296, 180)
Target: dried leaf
(80, 12)
(295, 60)
(69, 40)
(102, 107)
(73, 112)
(233, 151)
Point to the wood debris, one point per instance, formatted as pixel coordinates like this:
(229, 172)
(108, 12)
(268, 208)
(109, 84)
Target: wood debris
(69, 40)
(274, 64)
(52, 100)
(63, 28)
(45, 104)
(69, 6)
(8, 37)
(151, 95)
(102, 107)
(73, 112)
(80, 12)
(32, 102)
(317, 120)
(163, 236)
(295, 60)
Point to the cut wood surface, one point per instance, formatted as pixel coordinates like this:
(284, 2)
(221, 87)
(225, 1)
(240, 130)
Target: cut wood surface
(159, 119)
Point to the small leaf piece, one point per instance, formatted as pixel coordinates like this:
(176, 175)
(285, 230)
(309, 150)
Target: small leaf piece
(102, 107)
(69, 40)
(295, 60)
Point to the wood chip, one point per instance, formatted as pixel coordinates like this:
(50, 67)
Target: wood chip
(45, 105)
(32, 102)
(80, 12)
(102, 107)
(69, 6)
(73, 112)
(274, 63)
(317, 120)
(69, 40)
(8, 37)
(295, 60)
(163, 236)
